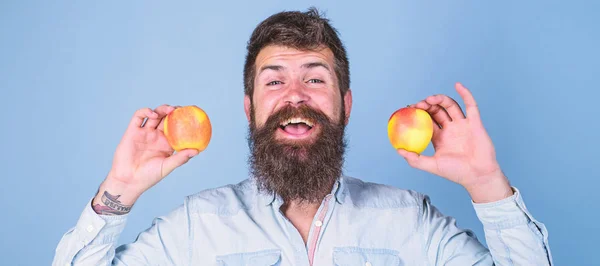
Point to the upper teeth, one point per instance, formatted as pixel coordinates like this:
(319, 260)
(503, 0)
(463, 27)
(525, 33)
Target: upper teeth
(297, 120)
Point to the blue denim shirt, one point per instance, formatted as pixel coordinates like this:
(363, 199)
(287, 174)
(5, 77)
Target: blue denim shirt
(359, 223)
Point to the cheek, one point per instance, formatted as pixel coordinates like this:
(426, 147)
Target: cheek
(329, 104)
(263, 106)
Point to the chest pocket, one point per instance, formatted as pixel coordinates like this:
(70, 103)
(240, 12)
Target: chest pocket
(356, 256)
(271, 257)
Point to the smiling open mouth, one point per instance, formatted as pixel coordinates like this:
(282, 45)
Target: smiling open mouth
(296, 126)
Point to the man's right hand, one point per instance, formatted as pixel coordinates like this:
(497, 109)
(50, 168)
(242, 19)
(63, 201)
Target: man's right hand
(142, 159)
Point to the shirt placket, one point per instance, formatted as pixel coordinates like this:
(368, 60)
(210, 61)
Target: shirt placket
(316, 228)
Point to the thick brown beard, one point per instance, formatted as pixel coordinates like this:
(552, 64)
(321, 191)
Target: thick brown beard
(303, 172)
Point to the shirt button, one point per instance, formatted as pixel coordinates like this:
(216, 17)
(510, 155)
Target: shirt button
(318, 223)
(90, 228)
(368, 264)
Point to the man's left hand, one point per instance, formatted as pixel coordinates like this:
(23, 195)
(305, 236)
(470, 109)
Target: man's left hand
(464, 152)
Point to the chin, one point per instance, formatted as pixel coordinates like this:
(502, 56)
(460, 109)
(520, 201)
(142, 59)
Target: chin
(299, 153)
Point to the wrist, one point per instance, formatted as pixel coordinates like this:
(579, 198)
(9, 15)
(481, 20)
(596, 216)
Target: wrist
(126, 194)
(493, 187)
(114, 198)
(130, 190)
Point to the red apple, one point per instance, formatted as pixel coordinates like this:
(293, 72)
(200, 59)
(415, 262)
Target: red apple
(411, 129)
(188, 127)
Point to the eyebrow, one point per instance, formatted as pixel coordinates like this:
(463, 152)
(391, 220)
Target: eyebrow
(271, 67)
(307, 65)
(316, 64)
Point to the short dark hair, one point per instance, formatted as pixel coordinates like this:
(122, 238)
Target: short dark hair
(300, 30)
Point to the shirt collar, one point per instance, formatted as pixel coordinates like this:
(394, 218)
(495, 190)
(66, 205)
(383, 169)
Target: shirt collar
(339, 190)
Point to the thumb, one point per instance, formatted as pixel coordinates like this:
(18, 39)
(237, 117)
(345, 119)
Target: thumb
(176, 160)
(422, 162)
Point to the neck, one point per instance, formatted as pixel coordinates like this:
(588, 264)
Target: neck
(300, 215)
(296, 208)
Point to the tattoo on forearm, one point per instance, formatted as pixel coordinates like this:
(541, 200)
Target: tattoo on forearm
(113, 205)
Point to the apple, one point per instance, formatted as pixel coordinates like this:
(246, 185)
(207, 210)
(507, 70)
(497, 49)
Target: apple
(411, 129)
(187, 127)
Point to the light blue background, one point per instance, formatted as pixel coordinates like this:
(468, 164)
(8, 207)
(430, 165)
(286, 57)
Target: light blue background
(72, 74)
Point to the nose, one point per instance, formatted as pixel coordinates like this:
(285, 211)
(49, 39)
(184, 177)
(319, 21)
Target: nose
(296, 94)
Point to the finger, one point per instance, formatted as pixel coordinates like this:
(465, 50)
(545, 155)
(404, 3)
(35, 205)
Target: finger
(437, 113)
(140, 115)
(422, 105)
(422, 162)
(162, 121)
(176, 160)
(470, 104)
(437, 128)
(162, 111)
(451, 106)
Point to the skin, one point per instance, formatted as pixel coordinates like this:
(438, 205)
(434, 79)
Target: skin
(283, 78)
(142, 158)
(464, 152)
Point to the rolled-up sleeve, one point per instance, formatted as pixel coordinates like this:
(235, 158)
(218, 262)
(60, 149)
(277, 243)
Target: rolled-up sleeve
(513, 235)
(92, 239)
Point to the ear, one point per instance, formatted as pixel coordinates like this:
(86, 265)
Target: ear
(247, 106)
(348, 104)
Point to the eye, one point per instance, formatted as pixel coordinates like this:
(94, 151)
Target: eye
(275, 82)
(315, 81)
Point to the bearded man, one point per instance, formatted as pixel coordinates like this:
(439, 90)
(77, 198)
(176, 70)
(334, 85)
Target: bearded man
(297, 207)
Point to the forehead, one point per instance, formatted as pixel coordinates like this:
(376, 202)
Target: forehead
(273, 53)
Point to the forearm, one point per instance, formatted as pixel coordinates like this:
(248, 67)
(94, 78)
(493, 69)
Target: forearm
(512, 234)
(114, 198)
(92, 240)
(490, 188)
